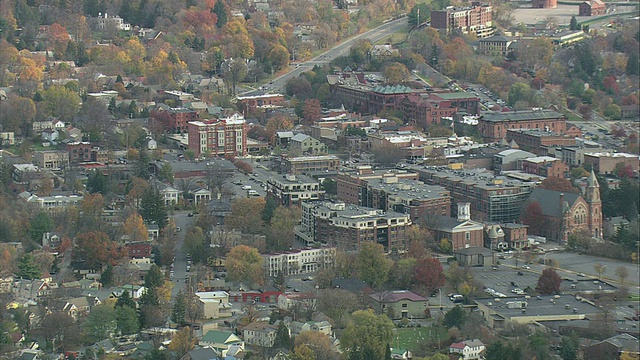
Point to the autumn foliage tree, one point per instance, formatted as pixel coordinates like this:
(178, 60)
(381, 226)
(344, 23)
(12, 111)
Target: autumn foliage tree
(429, 274)
(311, 111)
(549, 282)
(95, 249)
(244, 264)
(135, 228)
(558, 184)
(244, 217)
(532, 216)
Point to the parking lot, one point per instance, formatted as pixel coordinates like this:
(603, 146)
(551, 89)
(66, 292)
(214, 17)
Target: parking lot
(501, 279)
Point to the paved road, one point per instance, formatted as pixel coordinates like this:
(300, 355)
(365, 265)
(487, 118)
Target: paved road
(180, 265)
(341, 49)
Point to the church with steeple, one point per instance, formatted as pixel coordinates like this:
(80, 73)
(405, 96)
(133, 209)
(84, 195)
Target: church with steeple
(565, 213)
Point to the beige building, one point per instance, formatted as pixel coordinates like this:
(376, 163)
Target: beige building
(260, 334)
(214, 304)
(400, 304)
(51, 159)
(291, 190)
(299, 261)
(605, 162)
(303, 144)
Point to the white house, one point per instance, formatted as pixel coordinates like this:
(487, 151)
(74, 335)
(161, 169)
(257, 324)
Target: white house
(468, 349)
(214, 304)
(288, 300)
(170, 195)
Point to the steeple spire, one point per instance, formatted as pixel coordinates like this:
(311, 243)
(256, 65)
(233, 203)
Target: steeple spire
(592, 181)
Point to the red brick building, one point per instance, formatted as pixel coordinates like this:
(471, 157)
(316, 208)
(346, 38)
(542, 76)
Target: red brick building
(592, 8)
(461, 231)
(539, 141)
(174, 119)
(545, 166)
(221, 137)
(425, 109)
(248, 104)
(352, 183)
(269, 296)
(139, 249)
(476, 19)
(493, 127)
(516, 235)
(79, 151)
(605, 162)
(544, 4)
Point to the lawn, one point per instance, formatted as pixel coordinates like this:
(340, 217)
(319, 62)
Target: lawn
(411, 338)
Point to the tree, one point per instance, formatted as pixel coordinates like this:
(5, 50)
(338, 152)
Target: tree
(244, 264)
(319, 342)
(283, 338)
(499, 351)
(632, 64)
(281, 230)
(141, 168)
(622, 273)
(166, 173)
(311, 111)
(613, 112)
(106, 277)
(366, 335)
(373, 265)
(335, 303)
(194, 244)
(558, 184)
(59, 101)
(600, 269)
(569, 346)
(27, 268)
(100, 323)
(303, 352)
(396, 73)
(533, 216)
(243, 215)
(269, 209)
(41, 224)
(135, 228)
(455, 317)
(402, 273)
(95, 249)
(220, 9)
(59, 329)
(549, 282)
(125, 300)
(429, 274)
(152, 207)
(573, 24)
(154, 277)
(178, 313)
(386, 153)
(519, 92)
(127, 320)
(183, 341)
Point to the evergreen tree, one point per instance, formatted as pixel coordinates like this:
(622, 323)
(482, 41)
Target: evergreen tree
(154, 277)
(106, 278)
(112, 105)
(573, 25)
(125, 300)
(133, 109)
(283, 338)
(27, 267)
(435, 55)
(37, 97)
(97, 182)
(269, 209)
(142, 165)
(41, 224)
(178, 313)
(632, 64)
(152, 208)
(387, 354)
(119, 79)
(220, 10)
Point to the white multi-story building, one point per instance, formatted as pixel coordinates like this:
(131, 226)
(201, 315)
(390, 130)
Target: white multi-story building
(299, 261)
(468, 349)
(214, 304)
(55, 203)
(293, 189)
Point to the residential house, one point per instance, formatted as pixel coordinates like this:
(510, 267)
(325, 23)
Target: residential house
(201, 354)
(400, 304)
(468, 349)
(50, 135)
(169, 194)
(32, 290)
(7, 138)
(384, 52)
(288, 300)
(495, 45)
(260, 334)
(220, 341)
(401, 354)
(613, 348)
(515, 235)
(302, 144)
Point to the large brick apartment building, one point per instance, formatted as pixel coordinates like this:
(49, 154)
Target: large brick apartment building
(475, 19)
(222, 137)
(493, 126)
(174, 119)
(348, 226)
(539, 141)
(420, 107)
(351, 184)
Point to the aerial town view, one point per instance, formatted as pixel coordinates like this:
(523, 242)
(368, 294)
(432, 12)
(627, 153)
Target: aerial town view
(319, 180)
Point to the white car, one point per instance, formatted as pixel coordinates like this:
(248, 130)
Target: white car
(526, 267)
(246, 187)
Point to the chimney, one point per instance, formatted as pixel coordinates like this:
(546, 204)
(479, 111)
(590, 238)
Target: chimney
(464, 212)
(561, 201)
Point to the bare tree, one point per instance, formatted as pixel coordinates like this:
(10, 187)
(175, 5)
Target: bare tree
(600, 269)
(622, 274)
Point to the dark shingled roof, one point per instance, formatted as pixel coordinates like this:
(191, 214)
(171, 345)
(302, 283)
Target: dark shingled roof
(522, 115)
(549, 201)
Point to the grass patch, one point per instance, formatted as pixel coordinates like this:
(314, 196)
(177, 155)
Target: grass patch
(412, 338)
(395, 38)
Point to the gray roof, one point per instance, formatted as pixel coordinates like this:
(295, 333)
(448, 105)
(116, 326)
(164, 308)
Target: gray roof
(203, 354)
(549, 200)
(495, 38)
(624, 342)
(475, 250)
(300, 137)
(521, 115)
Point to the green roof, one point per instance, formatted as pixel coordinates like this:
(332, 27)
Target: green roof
(398, 351)
(455, 95)
(389, 89)
(216, 337)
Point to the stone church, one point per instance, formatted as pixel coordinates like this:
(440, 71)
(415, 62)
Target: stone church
(566, 213)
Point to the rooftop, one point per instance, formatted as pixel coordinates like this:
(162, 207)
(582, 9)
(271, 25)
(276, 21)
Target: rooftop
(544, 305)
(407, 188)
(522, 115)
(394, 296)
